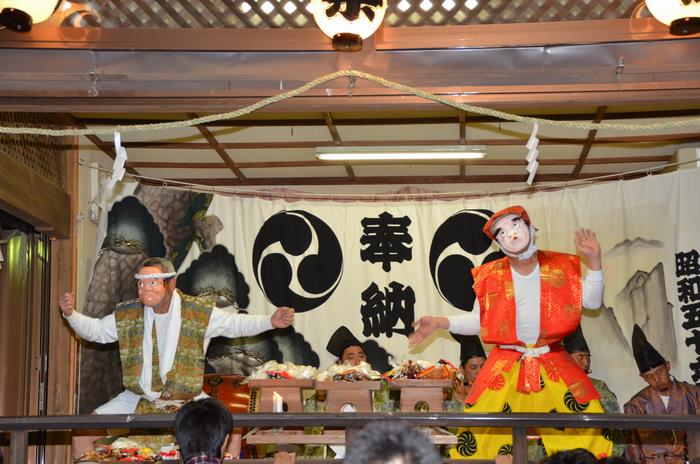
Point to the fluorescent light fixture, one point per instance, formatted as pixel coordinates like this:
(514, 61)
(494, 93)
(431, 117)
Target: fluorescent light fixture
(427, 152)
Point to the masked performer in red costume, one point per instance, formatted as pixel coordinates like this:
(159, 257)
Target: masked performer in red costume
(526, 304)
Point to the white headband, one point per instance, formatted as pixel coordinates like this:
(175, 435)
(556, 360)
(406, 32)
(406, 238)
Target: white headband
(157, 275)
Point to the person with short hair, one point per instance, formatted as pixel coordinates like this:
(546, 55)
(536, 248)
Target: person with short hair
(391, 442)
(574, 456)
(201, 428)
(663, 395)
(472, 357)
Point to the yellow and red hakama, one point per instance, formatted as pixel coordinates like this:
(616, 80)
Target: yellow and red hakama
(539, 378)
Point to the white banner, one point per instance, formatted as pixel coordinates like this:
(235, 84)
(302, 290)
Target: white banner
(374, 267)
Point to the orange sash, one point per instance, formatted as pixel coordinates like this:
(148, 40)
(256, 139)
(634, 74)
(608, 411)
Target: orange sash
(560, 313)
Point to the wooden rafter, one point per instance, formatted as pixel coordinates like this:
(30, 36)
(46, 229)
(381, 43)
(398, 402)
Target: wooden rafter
(332, 129)
(319, 163)
(106, 148)
(500, 178)
(337, 140)
(473, 119)
(216, 146)
(600, 112)
(654, 138)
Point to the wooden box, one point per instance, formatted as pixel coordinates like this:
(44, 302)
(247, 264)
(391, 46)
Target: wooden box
(357, 394)
(419, 394)
(289, 389)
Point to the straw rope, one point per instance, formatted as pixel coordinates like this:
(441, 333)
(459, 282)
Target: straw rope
(352, 74)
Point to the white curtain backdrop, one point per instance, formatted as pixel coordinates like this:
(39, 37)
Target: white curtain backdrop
(642, 224)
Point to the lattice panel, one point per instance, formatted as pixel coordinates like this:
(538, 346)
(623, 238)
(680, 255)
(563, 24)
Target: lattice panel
(45, 155)
(242, 14)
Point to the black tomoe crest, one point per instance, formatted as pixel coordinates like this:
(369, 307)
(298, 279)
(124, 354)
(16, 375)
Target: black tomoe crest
(297, 260)
(458, 246)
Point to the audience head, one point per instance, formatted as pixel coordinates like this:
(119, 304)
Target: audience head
(613, 460)
(201, 428)
(391, 442)
(574, 456)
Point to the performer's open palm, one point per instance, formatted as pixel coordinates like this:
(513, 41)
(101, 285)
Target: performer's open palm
(425, 326)
(587, 244)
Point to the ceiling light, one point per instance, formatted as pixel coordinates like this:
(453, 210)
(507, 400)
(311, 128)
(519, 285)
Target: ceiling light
(348, 22)
(682, 16)
(428, 152)
(19, 15)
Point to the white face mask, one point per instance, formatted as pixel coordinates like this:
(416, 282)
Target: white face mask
(514, 236)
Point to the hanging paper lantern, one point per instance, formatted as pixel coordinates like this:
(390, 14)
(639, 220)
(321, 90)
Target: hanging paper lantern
(682, 16)
(19, 15)
(348, 22)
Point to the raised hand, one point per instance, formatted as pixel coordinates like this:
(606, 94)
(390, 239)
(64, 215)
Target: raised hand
(283, 317)
(459, 390)
(425, 326)
(67, 304)
(587, 244)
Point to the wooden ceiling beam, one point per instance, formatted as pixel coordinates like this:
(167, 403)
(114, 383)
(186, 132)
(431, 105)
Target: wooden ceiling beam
(80, 102)
(277, 181)
(654, 138)
(340, 121)
(600, 112)
(318, 163)
(216, 146)
(335, 135)
(462, 140)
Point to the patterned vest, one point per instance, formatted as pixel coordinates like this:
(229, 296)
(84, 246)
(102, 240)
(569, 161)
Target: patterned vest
(560, 313)
(185, 377)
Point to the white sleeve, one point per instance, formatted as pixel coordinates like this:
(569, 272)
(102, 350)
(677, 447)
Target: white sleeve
(92, 329)
(229, 324)
(592, 290)
(467, 324)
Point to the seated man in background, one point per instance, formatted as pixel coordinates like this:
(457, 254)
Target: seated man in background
(201, 428)
(391, 442)
(577, 347)
(663, 395)
(346, 347)
(348, 350)
(472, 358)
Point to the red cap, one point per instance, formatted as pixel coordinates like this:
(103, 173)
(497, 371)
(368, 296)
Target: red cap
(517, 210)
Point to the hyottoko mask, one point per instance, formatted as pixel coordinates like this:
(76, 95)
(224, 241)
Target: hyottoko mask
(512, 230)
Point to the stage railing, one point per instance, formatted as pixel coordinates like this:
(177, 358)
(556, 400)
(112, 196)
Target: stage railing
(19, 427)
